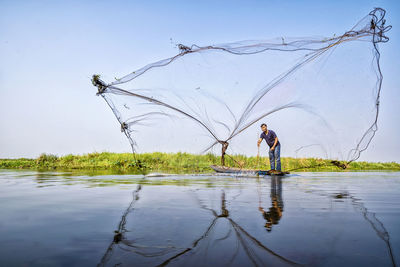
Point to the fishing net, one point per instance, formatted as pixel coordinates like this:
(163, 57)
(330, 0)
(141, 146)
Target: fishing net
(320, 95)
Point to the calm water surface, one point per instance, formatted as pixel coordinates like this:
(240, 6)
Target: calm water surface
(312, 219)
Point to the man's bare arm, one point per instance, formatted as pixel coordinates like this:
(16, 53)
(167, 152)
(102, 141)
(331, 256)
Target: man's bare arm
(259, 141)
(276, 141)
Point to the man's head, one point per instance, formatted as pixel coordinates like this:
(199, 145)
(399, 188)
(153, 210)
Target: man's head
(264, 127)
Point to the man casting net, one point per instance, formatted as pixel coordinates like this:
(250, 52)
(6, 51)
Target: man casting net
(321, 94)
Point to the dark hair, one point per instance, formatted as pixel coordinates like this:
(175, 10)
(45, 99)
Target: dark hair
(263, 125)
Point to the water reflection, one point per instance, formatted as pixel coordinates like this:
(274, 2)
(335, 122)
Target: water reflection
(315, 219)
(120, 232)
(377, 225)
(274, 213)
(371, 218)
(248, 248)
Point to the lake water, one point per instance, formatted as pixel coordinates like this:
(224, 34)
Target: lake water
(312, 219)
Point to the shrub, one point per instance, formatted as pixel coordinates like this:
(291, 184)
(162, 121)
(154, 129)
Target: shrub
(45, 159)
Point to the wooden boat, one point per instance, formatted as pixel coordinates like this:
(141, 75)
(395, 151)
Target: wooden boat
(224, 169)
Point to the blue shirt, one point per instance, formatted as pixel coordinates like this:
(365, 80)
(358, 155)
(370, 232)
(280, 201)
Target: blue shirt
(269, 138)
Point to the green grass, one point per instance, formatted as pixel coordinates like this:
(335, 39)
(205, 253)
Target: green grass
(176, 162)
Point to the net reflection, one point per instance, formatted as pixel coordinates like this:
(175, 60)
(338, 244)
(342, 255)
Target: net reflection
(358, 204)
(257, 253)
(224, 235)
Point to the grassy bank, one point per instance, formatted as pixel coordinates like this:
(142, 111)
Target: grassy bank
(176, 162)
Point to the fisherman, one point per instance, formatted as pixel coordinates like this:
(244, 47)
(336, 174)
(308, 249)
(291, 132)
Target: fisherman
(274, 147)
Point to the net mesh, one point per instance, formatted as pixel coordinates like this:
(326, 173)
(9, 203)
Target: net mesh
(321, 95)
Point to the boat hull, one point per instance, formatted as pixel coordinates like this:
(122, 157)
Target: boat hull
(224, 169)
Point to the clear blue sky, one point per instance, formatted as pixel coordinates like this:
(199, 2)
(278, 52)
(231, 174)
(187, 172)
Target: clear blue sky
(50, 49)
